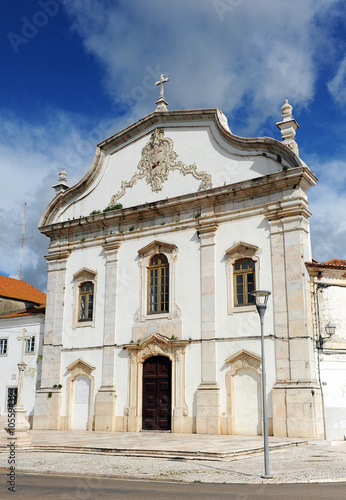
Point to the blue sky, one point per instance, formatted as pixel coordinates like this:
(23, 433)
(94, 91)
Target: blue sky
(76, 71)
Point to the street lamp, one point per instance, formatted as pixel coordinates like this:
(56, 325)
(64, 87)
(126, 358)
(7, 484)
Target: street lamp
(330, 330)
(261, 297)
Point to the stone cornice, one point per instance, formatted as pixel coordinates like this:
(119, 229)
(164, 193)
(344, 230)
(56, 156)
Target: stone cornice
(249, 189)
(262, 145)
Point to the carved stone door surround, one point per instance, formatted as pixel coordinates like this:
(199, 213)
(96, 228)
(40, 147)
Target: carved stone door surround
(156, 345)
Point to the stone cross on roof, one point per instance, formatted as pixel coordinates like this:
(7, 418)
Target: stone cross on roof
(161, 103)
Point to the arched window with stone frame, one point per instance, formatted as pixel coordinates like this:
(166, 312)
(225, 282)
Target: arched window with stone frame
(157, 263)
(242, 266)
(84, 295)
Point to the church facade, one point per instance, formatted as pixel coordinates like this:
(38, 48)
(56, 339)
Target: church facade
(153, 255)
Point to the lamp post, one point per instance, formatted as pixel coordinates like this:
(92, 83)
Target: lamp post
(261, 297)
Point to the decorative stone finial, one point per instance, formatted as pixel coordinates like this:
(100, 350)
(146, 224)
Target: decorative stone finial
(161, 103)
(62, 175)
(61, 186)
(288, 127)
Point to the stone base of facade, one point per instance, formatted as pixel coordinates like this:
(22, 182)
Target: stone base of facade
(297, 411)
(105, 419)
(208, 419)
(47, 410)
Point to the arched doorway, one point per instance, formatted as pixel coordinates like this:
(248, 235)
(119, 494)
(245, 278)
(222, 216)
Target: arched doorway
(157, 394)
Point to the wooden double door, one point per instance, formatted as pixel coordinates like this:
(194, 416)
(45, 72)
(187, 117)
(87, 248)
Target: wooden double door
(157, 394)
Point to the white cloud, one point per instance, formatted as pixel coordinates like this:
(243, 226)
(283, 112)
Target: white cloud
(246, 64)
(261, 53)
(30, 159)
(337, 86)
(328, 206)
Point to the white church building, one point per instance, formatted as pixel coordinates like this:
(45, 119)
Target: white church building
(150, 322)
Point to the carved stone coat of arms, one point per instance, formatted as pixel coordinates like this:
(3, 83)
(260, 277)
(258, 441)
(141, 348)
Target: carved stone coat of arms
(157, 160)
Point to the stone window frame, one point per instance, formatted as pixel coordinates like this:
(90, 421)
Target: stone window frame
(7, 345)
(79, 278)
(237, 252)
(145, 255)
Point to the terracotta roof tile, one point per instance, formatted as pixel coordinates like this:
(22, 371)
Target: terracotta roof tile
(20, 290)
(335, 262)
(330, 264)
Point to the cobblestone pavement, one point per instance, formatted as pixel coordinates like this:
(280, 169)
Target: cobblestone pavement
(304, 463)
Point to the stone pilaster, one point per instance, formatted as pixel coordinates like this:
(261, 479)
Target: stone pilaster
(208, 392)
(47, 398)
(106, 396)
(297, 407)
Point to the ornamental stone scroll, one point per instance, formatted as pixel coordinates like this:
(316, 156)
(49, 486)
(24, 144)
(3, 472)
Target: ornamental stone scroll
(158, 159)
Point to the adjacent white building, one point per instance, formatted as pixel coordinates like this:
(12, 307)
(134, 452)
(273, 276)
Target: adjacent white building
(22, 314)
(328, 286)
(152, 256)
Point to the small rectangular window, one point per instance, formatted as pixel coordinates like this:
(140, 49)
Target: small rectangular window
(30, 345)
(3, 347)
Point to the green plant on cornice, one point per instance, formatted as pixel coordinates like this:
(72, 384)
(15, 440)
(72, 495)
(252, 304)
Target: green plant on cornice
(118, 206)
(131, 228)
(59, 386)
(198, 215)
(284, 167)
(50, 394)
(163, 223)
(83, 239)
(94, 212)
(173, 337)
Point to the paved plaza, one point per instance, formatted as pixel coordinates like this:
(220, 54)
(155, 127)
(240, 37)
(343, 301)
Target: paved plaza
(179, 457)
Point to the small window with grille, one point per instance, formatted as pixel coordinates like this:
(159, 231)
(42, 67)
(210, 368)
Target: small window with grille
(244, 282)
(12, 396)
(3, 347)
(158, 284)
(86, 301)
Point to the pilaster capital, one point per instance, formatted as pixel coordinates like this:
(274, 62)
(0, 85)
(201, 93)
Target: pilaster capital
(207, 233)
(111, 244)
(57, 255)
(285, 209)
